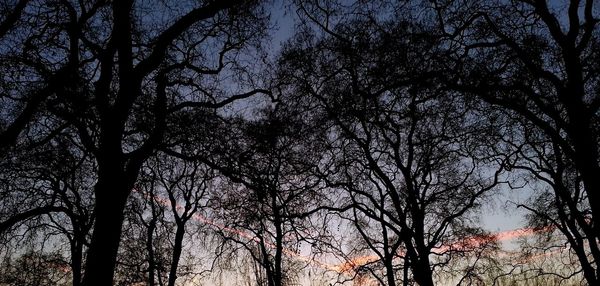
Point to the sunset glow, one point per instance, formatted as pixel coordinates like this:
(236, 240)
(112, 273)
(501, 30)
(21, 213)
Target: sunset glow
(352, 264)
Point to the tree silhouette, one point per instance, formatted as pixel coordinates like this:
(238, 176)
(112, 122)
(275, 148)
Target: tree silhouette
(132, 130)
(408, 151)
(272, 192)
(105, 70)
(536, 60)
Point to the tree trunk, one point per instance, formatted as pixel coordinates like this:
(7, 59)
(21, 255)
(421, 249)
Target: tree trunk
(581, 132)
(176, 252)
(422, 273)
(277, 221)
(405, 278)
(111, 197)
(76, 260)
(388, 256)
(150, 249)
(586, 154)
(389, 270)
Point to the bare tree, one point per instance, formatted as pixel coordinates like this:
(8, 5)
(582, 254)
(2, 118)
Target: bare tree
(187, 186)
(32, 73)
(537, 61)
(33, 268)
(116, 72)
(407, 151)
(268, 160)
(46, 192)
(163, 218)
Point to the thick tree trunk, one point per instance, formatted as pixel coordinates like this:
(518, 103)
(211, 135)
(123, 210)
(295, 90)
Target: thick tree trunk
(422, 273)
(111, 197)
(114, 182)
(586, 159)
(581, 132)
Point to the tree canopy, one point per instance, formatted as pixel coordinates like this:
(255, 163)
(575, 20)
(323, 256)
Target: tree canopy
(177, 143)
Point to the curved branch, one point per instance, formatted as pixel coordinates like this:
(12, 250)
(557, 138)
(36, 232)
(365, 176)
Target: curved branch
(20, 217)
